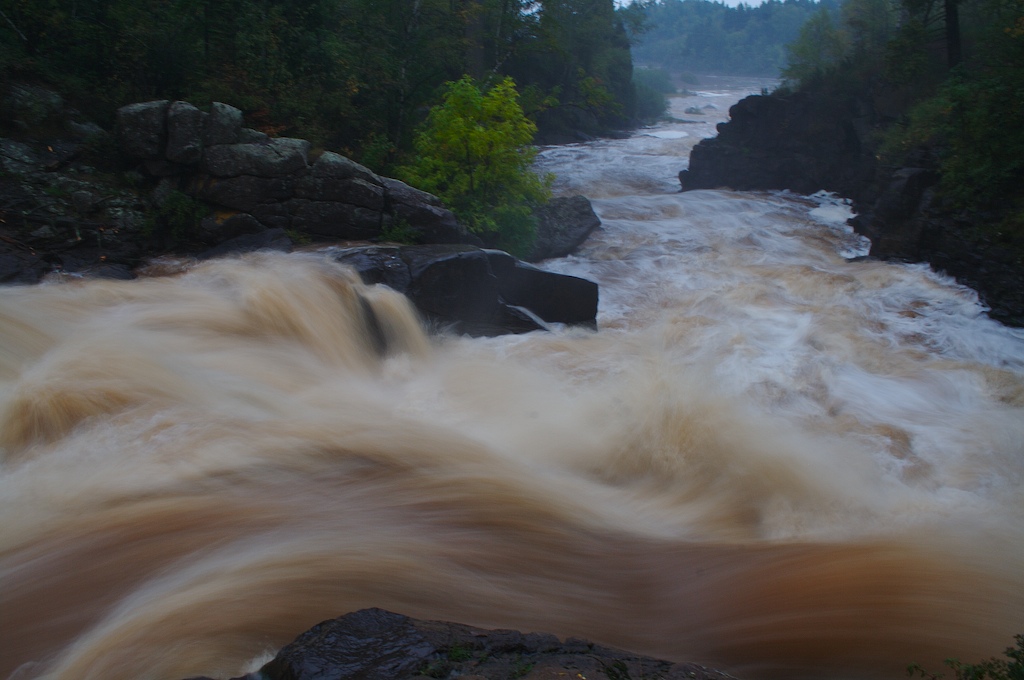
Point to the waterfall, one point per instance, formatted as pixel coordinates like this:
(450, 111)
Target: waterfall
(771, 457)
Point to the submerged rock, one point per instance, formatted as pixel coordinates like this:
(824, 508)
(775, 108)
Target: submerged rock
(374, 644)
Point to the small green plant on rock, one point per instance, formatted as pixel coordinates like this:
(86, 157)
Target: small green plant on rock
(176, 219)
(458, 652)
(399, 231)
(475, 152)
(520, 668)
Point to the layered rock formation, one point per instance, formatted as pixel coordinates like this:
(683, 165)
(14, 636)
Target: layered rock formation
(788, 141)
(59, 217)
(257, 182)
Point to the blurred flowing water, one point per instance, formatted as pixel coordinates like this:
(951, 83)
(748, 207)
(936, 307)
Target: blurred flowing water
(769, 458)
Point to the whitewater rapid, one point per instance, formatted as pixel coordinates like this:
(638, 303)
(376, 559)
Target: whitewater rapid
(773, 456)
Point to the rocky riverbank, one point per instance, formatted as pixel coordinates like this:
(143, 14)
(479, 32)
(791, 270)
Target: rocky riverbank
(80, 201)
(824, 140)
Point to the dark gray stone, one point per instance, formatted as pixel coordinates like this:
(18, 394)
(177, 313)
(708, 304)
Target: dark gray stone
(378, 264)
(373, 644)
(425, 214)
(250, 136)
(245, 192)
(142, 129)
(277, 158)
(336, 166)
(798, 142)
(455, 284)
(273, 215)
(184, 133)
(17, 157)
(555, 298)
(160, 167)
(476, 291)
(31, 105)
(562, 225)
(223, 125)
(353, 191)
(335, 220)
(219, 227)
(370, 644)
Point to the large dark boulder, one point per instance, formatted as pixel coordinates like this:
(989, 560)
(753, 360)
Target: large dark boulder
(212, 158)
(562, 225)
(476, 291)
(374, 644)
(799, 142)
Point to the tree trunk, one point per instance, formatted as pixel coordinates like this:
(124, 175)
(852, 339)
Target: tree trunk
(953, 54)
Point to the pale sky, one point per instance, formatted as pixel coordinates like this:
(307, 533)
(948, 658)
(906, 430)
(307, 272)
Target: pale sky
(730, 3)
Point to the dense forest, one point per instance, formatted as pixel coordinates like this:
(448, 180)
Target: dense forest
(701, 36)
(947, 78)
(355, 76)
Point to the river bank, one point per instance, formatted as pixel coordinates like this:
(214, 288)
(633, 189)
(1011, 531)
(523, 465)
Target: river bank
(174, 185)
(827, 139)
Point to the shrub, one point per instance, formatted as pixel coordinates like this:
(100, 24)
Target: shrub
(474, 152)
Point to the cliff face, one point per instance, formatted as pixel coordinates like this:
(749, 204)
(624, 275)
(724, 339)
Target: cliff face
(794, 141)
(811, 141)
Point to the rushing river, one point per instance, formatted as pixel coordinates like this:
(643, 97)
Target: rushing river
(769, 458)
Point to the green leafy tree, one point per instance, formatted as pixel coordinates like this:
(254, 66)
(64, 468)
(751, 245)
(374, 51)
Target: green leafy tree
(474, 151)
(820, 48)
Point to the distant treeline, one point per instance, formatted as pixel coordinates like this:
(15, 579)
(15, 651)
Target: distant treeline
(700, 36)
(351, 75)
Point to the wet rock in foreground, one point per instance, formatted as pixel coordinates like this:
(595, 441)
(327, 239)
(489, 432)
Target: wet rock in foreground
(373, 644)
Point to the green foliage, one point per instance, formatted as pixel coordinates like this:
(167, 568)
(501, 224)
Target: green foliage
(520, 668)
(990, 669)
(976, 122)
(819, 49)
(176, 219)
(657, 79)
(350, 75)
(652, 84)
(906, 55)
(973, 121)
(474, 152)
(579, 55)
(399, 231)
